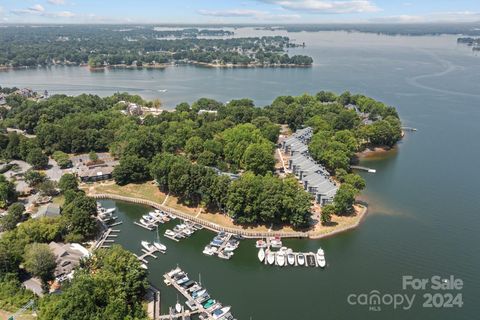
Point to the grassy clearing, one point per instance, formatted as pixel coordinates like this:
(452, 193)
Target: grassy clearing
(147, 191)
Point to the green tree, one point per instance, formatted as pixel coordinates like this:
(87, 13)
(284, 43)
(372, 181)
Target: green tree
(131, 169)
(48, 188)
(78, 218)
(194, 147)
(37, 158)
(258, 158)
(327, 212)
(355, 180)
(62, 159)
(93, 156)
(344, 199)
(40, 262)
(34, 178)
(7, 192)
(13, 216)
(68, 182)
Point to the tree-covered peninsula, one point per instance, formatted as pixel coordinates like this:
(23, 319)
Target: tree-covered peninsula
(137, 46)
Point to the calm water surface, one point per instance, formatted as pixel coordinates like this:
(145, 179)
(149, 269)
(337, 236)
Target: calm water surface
(423, 201)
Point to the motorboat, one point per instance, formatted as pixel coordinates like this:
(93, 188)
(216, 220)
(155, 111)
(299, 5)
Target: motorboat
(170, 233)
(198, 293)
(159, 246)
(276, 242)
(182, 280)
(107, 211)
(261, 254)
(311, 261)
(321, 258)
(290, 258)
(209, 303)
(301, 259)
(270, 257)
(209, 250)
(280, 259)
(144, 266)
(261, 244)
(148, 218)
(146, 245)
(225, 255)
(144, 222)
(220, 312)
(174, 272)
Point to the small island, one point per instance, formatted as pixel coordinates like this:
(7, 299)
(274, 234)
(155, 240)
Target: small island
(138, 47)
(469, 41)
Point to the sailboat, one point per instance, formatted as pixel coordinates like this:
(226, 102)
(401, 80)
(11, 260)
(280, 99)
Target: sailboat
(158, 244)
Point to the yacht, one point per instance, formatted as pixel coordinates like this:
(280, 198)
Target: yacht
(178, 307)
(321, 258)
(301, 259)
(261, 254)
(261, 244)
(220, 312)
(280, 259)
(270, 257)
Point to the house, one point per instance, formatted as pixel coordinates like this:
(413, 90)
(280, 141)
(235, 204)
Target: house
(95, 173)
(315, 178)
(204, 111)
(50, 211)
(134, 109)
(26, 92)
(3, 99)
(67, 256)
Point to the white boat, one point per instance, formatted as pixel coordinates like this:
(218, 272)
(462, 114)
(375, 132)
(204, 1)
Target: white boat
(276, 243)
(280, 259)
(144, 222)
(271, 257)
(174, 272)
(159, 246)
(144, 266)
(178, 307)
(261, 254)
(261, 244)
(321, 258)
(146, 245)
(220, 312)
(301, 259)
(225, 255)
(291, 258)
(107, 211)
(170, 233)
(209, 250)
(198, 293)
(162, 90)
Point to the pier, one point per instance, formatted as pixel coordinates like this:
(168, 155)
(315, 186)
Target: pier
(363, 169)
(148, 253)
(198, 307)
(409, 129)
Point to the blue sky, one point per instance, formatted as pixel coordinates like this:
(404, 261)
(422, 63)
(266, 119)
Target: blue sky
(237, 11)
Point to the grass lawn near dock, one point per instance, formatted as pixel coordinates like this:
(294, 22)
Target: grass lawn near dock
(149, 191)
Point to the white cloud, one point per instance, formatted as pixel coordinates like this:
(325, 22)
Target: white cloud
(231, 13)
(37, 8)
(243, 13)
(320, 6)
(460, 16)
(63, 14)
(56, 2)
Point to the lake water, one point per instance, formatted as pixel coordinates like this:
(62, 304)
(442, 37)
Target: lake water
(423, 201)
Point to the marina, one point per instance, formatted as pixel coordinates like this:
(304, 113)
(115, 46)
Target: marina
(223, 245)
(286, 256)
(197, 297)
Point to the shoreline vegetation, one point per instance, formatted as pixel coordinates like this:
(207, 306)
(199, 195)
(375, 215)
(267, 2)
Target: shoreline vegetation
(108, 46)
(214, 221)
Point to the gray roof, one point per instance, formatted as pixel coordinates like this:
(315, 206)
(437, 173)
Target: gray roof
(315, 177)
(50, 210)
(67, 257)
